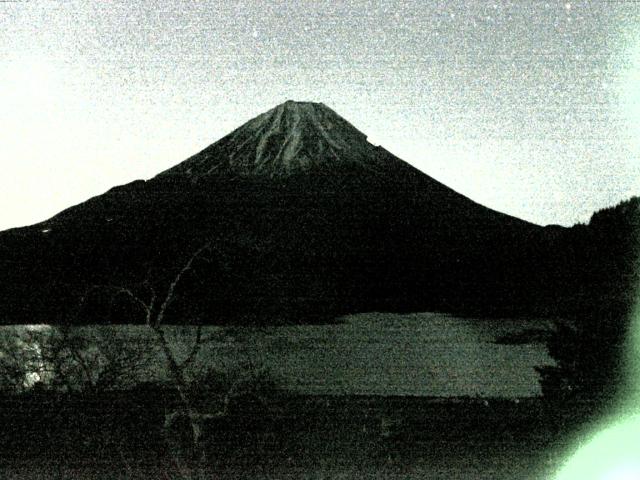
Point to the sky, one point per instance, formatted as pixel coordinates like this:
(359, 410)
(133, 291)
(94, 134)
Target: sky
(530, 107)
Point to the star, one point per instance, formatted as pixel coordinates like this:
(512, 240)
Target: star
(567, 6)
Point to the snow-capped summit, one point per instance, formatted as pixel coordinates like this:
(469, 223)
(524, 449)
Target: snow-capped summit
(291, 138)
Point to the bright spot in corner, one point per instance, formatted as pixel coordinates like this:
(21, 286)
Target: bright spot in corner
(612, 454)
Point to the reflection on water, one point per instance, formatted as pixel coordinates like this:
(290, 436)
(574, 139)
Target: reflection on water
(411, 354)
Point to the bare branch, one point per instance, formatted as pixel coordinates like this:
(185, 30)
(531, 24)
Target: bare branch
(172, 287)
(118, 290)
(122, 290)
(197, 345)
(77, 356)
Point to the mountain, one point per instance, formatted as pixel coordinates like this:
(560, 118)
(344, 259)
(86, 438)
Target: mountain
(291, 138)
(306, 220)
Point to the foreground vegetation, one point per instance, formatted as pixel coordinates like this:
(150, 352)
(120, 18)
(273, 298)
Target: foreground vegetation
(274, 435)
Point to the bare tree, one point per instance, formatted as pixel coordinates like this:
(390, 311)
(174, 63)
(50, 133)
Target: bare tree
(72, 360)
(89, 359)
(154, 307)
(19, 363)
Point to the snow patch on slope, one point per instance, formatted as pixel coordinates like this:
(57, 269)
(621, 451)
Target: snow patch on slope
(290, 138)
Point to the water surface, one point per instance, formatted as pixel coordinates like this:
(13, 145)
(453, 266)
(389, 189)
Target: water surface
(427, 354)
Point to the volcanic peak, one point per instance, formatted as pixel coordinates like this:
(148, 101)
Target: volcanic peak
(293, 137)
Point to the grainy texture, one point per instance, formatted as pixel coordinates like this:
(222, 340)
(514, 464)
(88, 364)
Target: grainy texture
(518, 104)
(529, 107)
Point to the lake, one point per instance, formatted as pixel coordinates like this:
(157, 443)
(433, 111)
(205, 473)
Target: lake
(420, 354)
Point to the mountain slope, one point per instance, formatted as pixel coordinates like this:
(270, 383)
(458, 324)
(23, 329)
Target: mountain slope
(291, 138)
(307, 220)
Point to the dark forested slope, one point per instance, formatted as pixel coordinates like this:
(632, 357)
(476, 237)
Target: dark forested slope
(305, 220)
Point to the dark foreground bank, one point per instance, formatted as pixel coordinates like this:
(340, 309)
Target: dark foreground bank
(126, 436)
